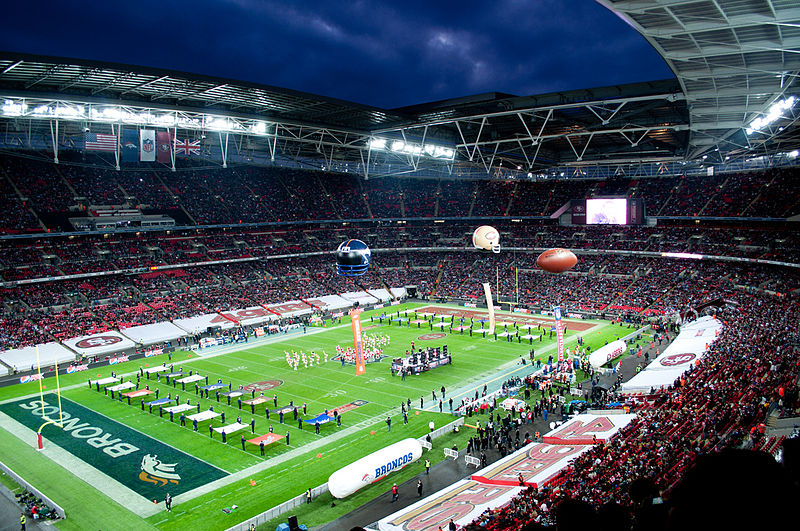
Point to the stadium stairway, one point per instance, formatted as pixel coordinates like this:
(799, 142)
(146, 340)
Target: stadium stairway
(757, 196)
(715, 194)
(66, 182)
(511, 199)
(20, 195)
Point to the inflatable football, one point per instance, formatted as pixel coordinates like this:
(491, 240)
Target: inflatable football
(557, 260)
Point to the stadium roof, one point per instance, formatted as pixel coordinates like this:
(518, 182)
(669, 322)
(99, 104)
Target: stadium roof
(733, 60)
(482, 134)
(33, 75)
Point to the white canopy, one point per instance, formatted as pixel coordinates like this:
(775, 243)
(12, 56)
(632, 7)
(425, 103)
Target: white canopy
(154, 333)
(100, 343)
(25, 357)
(689, 347)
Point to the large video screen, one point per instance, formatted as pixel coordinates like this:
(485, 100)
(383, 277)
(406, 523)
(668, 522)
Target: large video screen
(607, 211)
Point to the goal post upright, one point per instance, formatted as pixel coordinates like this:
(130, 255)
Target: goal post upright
(500, 300)
(46, 418)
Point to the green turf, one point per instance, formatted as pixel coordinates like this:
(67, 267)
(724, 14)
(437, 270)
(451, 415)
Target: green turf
(10, 483)
(86, 506)
(320, 512)
(328, 386)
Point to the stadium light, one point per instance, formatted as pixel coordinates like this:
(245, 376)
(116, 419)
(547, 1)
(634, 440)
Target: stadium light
(259, 128)
(775, 112)
(10, 108)
(59, 110)
(164, 120)
(377, 143)
(136, 118)
(68, 111)
(109, 114)
(410, 148)
(218, 124)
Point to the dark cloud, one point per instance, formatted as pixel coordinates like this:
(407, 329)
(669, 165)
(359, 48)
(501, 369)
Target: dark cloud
(380, 53)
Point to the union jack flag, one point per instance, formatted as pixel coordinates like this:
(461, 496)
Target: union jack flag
(187, 147)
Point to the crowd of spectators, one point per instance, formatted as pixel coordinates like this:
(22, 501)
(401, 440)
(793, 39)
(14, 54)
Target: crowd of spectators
(60, 255)
(750, 371)
(601, 283)
(249, 194)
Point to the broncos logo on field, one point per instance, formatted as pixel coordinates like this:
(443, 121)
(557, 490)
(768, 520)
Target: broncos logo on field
(154, 471)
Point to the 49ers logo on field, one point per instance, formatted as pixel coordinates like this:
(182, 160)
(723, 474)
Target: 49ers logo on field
(426, 337)
(677, 359)
(98, 341)
(263, 386)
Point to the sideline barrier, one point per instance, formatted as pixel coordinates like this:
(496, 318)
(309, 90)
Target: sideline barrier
(449, 452)
(469, 460)
(50, 503)
(288, 505)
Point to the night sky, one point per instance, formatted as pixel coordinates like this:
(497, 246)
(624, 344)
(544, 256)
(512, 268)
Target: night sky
(388, 54)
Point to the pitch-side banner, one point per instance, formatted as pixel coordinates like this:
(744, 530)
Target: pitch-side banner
(147, 145)
(355, 321)
(559, 332)
(487, 290)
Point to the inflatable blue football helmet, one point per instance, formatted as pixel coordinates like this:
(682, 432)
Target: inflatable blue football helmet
(352, 258)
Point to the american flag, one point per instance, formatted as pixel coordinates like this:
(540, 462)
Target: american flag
(100, 142)
(187, 147)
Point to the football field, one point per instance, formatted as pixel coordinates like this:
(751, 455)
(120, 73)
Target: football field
(123, 457)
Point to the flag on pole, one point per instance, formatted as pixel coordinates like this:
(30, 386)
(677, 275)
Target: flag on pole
(187, 147)
(100, 142)
(163, 146)
(559, 333)
(355, 321)
(487, 291)
(147, 145)
(130, 145)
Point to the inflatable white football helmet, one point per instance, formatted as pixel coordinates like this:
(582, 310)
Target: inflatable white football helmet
(487, 238)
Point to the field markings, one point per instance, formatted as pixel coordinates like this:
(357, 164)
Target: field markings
(277, 460)
(134, 417)
(433, 406)
(252, 347)
(82, 470)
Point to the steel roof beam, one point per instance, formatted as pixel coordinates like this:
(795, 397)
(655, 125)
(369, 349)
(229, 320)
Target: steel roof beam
(544, 137)
(10, 67)
(77, 79)
(47, 73)
(531, 110)
(140, 85)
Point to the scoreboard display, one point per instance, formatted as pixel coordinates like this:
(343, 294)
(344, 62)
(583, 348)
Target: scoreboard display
(608, 211)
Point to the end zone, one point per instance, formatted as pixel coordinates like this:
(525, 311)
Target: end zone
(133, 459)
